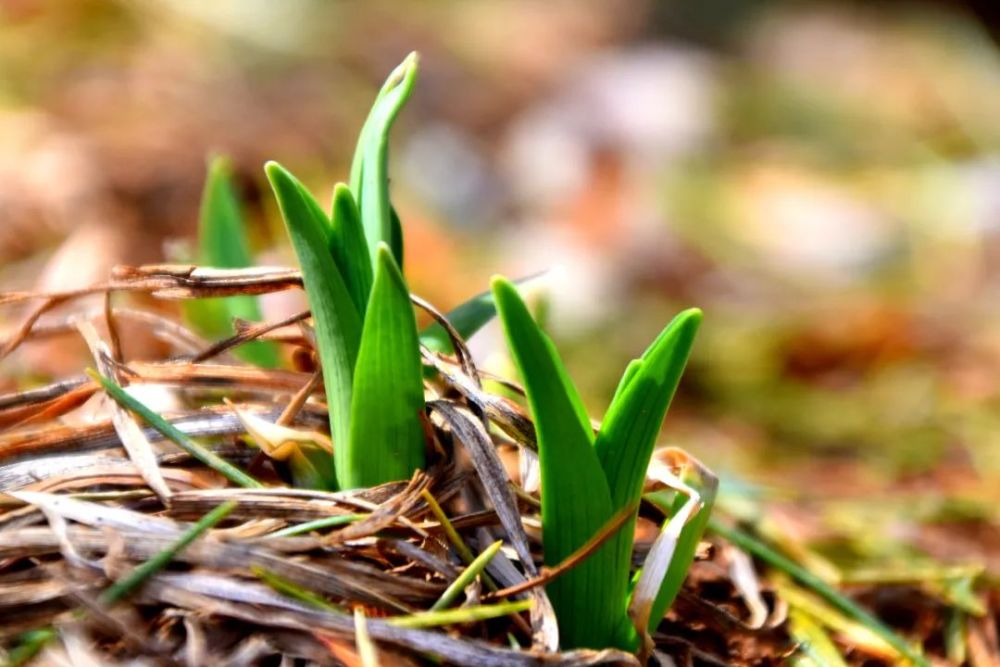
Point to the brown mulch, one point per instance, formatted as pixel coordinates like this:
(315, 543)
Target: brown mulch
(78, 511)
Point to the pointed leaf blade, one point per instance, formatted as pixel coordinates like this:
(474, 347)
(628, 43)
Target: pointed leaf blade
(576, 503)
(628, 433)
(630, 372)
(222, 238)
(357, 163)
(349, 248)
(386, 438)
(222, 243)
(373, 198)
(338, 324)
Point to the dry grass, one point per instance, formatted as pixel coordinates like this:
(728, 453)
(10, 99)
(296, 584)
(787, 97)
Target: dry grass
(293, 574)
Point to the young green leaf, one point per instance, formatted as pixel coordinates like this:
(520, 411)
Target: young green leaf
(630, 371)
(221, 238)
(203, 454)
(627, 435)
(373, 197)
(357, 164)
(349, 248)
(632, 422)
(161, 559)
(386, 436)
(576, 502)
(222, 243)
(338, 323)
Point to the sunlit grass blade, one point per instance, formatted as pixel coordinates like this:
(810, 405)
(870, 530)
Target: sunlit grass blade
(386, 436)
(850, 631)
(222, 243)
(206, 456)
(816, 649)
(349, 248)
(338, 323)
(467, 576)
(430, 619)
(293, 590)
(367, 652)
(461, 548)
(576, 502)
(318, 524)
(141, 573)
(955, 641)
(373, 198)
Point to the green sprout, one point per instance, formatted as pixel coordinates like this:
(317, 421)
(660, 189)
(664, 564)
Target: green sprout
(369, 348)
(588, 479)
(222, 243)
(366, 330)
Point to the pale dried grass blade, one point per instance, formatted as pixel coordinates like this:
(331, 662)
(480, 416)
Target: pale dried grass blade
(139, 449)
(476, 441)
(97, 515)
(366, 647)
(745, 581)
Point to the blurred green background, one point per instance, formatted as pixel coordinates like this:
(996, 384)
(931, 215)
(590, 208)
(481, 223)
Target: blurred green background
(822, 178)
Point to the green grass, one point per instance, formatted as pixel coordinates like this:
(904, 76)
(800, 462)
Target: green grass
(223, 243)
(587, 479)
(168, 430)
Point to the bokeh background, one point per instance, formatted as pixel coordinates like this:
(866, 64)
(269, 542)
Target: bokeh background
(822, 178)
